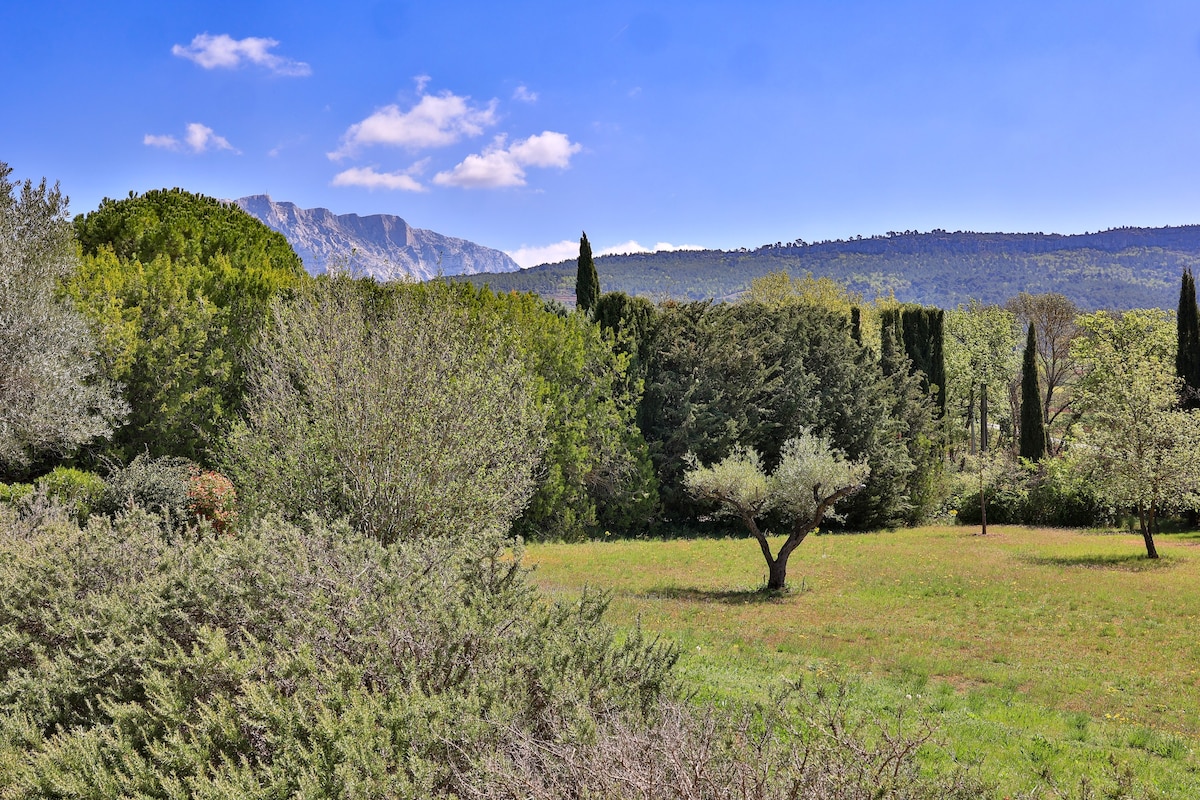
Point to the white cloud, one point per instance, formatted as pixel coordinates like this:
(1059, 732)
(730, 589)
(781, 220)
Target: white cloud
(498, 166)
(225, 52)
(422, 81)
(435, 121)
(547, 254)
(198, 139)
(369, 178)
(547, 149)
(524, 95)
(567, 249)
(492, 169)
(166, 142)
(632, 246)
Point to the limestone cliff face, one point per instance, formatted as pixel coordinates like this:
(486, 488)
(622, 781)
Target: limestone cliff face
(382, 246)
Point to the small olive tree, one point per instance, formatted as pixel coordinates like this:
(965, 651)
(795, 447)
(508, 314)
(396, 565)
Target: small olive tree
(397, 408)
(811, 478)
(52, 398)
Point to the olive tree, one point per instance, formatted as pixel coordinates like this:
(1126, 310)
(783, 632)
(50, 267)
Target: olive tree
(811, 478)
(398, 409)
(51, 397)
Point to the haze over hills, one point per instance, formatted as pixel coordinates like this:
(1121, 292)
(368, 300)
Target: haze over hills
(382, 246)
(1116, 269)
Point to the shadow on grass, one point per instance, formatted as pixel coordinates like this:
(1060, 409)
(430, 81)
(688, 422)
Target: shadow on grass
(734, 597)
(1125, 562)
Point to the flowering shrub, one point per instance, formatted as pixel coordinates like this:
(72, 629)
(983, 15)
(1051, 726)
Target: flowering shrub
(211, 495)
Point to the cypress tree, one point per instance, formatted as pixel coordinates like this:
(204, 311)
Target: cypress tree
(935, 319)
(1033, 432)
(1187, 356)
(587, 281)
(891, 340)
(922, 331)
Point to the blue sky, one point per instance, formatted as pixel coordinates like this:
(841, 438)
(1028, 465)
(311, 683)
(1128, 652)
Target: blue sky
(715, 124)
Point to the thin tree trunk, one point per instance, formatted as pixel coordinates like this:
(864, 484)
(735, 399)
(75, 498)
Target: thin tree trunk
(778, 572)
(1147, 533)
(983, 446)
(971, 421)
(773, 564)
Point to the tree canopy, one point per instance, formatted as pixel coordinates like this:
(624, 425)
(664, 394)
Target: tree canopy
(54, 396)
(808, 482)
(1140, 450)
(177, 287)
(400, 410)
(587, 280)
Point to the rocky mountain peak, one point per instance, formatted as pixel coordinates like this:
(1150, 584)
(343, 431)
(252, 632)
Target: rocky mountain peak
(382, 246)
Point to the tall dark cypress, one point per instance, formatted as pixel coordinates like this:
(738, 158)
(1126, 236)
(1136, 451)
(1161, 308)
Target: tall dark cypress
(1187, 356)
(1033, 432)
(891, 341)
(587, 281)
(935, 336)
(922, 332)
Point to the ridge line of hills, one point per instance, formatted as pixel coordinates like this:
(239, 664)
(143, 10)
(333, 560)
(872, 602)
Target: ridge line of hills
(1117, 269)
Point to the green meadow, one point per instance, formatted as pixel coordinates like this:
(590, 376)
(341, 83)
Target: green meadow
(1062, 663)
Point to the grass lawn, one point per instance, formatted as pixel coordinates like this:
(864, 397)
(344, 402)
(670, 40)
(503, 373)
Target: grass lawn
(1045, 655)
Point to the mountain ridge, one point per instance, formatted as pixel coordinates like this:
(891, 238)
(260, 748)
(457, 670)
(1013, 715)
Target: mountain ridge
(382, 246)
(1119, 268)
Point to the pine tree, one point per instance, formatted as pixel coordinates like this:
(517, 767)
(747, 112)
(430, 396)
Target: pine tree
(1187, 355)
(587, 281)
(1033, 432)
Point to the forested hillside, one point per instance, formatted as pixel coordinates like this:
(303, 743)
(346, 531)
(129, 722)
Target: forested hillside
(1116, 269)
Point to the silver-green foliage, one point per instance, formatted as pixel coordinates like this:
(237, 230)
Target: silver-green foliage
(51, 399)
(811, 478)
(140, 660)
(404, 413)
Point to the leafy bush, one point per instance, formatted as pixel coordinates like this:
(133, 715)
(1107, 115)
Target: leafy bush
(158, 485)
(1051, 493)
(313, 661)
(399, 410)
(14, 493)
(80, 492)
(211, 496)
(286, 660)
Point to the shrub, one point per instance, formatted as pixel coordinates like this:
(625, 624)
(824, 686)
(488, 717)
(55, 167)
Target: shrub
(14, 493)
(211, 496)
(399, 410)
(313, 661)
(1051, 492)
(80, 492)
(807, 744)
(286, 660)
(159, 485)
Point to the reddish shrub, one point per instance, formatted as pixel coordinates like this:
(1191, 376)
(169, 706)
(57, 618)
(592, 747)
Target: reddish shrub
(211, 495)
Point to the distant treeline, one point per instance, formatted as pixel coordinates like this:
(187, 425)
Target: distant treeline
(1116, 269)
